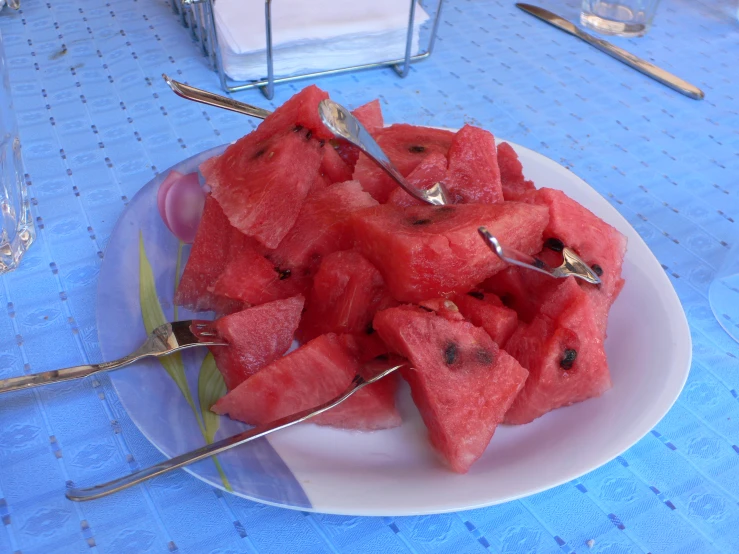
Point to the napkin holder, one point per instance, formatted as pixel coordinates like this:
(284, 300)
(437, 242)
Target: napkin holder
(198, 16)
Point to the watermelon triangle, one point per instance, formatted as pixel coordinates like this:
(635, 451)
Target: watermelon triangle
(473, 175)
(461, 382)
(307, 377)
(563, 350)
(261, 184)
(322, 227)
(256, 337)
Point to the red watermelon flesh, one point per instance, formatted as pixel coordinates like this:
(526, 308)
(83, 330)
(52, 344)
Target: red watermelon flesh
(429, 172)
(321, 228)
(473, 174)
(406, 146)
(461, 382)
(511, 173)
(563, 350)
(253, 279)
(333, 168)
(311, 375)
(369, 115)
(364, 346)
(256, 337)
(300, 110)
(426, 252)
(597, 243)
(261, 184)
(216, 241)
(487, 311)
(373, 407)
(347, 291)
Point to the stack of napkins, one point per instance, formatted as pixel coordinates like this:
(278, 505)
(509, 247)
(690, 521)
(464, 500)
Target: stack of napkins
(312, 35)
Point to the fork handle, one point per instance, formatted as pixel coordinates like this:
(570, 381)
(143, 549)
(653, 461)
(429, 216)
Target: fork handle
(59, 375)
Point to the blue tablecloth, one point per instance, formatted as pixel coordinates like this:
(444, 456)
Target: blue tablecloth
(97, 122)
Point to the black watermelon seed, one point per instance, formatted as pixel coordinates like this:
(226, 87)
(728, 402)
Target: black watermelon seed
(321, 143)
(415, 149)
(259, 153)
(476, 294)
(425, 308)
(369, 330)
(597, 269)
(421, 222)
(485, 357)
(538, 263)
(309, 134)
(297, 128)
(554, 244)
(283, 274)
(568, 359)
(450, 353)
(507, 300)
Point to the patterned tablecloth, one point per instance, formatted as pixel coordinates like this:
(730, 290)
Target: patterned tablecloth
(97, 122)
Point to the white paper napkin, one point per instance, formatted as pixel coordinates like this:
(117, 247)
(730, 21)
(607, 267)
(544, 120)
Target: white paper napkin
(312, 35)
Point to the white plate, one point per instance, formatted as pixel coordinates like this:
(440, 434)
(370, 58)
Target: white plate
(395, 472)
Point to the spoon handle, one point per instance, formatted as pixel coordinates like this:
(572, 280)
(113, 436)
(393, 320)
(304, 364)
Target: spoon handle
(99, 491)
(216, 100)
(342, 123)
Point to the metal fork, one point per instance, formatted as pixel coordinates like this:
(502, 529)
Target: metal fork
(164, 340)
(98, 491)
(572, 265)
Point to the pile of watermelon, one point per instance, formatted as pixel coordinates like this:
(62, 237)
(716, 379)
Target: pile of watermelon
(303, 237)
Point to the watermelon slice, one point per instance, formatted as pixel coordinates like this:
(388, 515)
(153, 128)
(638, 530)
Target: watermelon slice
(511, 173)
(311, 375)
(249, 277)
(473, 174)
(406, 146)
(347, 291)
(261, 184)
(333, 168)
(426, 252)
(462, 383)
(216, 241)
(256, 337)
(364, 346)
(370, 115)
(599, 245)
(300, 110)
(487, 311)
(563, 350)
(429, 172)
(321, 228)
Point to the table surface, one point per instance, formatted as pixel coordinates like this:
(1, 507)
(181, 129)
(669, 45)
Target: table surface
(97, 122)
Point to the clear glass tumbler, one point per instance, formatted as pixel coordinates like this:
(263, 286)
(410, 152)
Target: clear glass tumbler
(625, 18)
(16, 224)
(723, 294)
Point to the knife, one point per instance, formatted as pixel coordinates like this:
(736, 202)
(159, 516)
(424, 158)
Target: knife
(619, 53)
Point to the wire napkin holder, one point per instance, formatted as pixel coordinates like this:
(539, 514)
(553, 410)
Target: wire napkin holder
(198, 16)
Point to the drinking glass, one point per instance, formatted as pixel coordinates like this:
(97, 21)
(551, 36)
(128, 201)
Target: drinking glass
(625, 18)
(16, 224)
(723, 294)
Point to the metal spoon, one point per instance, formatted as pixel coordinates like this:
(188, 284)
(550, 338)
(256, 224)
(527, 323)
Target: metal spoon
(343, 124)
(572, 266)
(98, 491)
